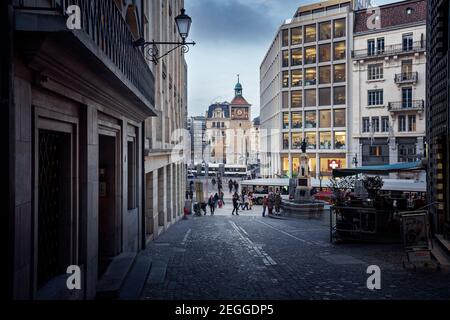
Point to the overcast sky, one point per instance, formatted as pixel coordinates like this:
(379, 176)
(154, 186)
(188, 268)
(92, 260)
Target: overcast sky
(232, 38)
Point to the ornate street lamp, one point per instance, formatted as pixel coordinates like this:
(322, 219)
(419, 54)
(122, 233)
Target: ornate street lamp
(183, 22)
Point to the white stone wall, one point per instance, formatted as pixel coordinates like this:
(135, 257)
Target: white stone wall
(392, 91)
(171, 104)
(270, 102)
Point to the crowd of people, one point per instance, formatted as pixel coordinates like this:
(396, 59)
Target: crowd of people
(243, 201)
(269, 203)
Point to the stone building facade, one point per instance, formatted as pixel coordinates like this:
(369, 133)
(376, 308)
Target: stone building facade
(228, 126)
(165, 174)
(77, 102)
(90, 124)
(389, 84)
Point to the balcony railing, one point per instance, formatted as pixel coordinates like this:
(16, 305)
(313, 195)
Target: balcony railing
(395, 49)
(104, 25)
(410, 105)
(406, 77)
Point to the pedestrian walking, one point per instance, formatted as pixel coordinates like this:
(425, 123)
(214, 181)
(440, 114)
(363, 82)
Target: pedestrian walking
(203, 206)
(245, 202)
(270, 203)
(235, 204)
(216, 200)
(250, 200)
(236, 186)
(213, 181)
(221, 197)
(264, 205)
(211, 205)
(191, 194)
(230, 185)
(278, 202)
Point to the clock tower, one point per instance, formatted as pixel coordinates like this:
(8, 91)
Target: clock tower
(241, 124)
(239, 107)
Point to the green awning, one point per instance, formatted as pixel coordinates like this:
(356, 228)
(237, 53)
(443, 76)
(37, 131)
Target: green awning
(383, 169)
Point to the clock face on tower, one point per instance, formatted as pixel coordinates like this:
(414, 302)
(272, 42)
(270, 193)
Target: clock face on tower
(239, 113)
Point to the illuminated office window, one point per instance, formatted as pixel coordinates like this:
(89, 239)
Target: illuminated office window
(296, 35)
(325, 30)
(296, 99)
(339, 50)
(310, 33)
(296, 77)
(339, 28)
(310, 55)
(339, 73)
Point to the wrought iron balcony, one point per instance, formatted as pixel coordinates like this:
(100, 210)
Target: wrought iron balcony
(104, 32)
(411, 105)
(406, 77)
(391, 50)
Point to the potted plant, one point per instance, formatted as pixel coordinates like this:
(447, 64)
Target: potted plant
(373, 186)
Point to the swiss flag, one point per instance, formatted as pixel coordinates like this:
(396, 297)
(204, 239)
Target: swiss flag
(334, 164)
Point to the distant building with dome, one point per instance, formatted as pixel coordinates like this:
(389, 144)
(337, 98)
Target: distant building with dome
(228, 126)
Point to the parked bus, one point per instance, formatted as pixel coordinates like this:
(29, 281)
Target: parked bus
(262, 187)
(236, 170)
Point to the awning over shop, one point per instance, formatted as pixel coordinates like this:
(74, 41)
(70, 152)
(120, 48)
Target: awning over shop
(382, 170)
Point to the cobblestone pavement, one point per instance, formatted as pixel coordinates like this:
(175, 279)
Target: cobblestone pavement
(251, 257)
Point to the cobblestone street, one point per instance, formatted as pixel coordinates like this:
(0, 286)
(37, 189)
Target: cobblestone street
(251, 257)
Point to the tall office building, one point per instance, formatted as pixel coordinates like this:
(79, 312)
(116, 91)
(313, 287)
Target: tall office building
(438, 114)
(305, 92)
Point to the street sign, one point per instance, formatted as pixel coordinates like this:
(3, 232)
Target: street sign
(416, 239)
(415, 229)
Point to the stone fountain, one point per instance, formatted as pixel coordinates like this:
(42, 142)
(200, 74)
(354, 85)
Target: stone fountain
(303, 204)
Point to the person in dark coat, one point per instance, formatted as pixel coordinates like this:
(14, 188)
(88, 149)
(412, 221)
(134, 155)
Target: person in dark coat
(278, 202)
(270, 203)
(216, 200)
(203, 206)
(230, 185)
(235, 204)
(211, 205)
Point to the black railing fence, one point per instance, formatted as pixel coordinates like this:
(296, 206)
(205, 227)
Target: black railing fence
(399, 48)
(406, 77)
(407, 104)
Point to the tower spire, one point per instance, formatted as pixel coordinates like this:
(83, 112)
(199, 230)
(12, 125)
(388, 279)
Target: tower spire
(238, 87)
